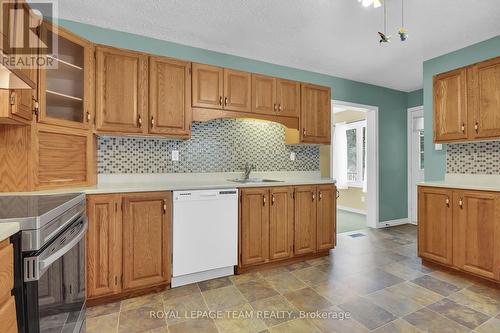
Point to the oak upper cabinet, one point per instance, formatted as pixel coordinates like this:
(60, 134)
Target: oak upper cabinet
(254, 226)
(169, 97)
(146, 239)
(264, 95)
(484, 99)
(66, 90)
(450, 106)
(103, 245)
(477, 232)
(326, 217)
(305, 220)
(315, 114)
(208, 86)
(237, 91)
(435, 224)
(288, 97)
(121, 90)
(281, 214)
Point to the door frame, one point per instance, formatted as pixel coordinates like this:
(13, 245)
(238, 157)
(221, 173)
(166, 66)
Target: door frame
(412, 113)
(372, 163)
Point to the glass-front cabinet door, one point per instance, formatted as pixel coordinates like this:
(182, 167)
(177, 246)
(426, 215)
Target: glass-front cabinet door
(65, 88)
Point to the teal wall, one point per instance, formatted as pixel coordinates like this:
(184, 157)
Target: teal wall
(416, 98)
(392, 104)
(435, 161)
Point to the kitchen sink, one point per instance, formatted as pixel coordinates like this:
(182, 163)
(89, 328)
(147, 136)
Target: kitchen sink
(254, 180)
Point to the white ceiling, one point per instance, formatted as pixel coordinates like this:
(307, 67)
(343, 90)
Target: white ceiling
(336, 37)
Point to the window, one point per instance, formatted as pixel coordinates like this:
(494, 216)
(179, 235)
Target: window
(356, 153)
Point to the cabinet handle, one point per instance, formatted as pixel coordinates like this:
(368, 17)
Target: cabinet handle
(338, 194)
(313, 196)
(320, 196)
(225, 100)
(164, 206)
(304, 132)
(463, 128)
(36, 105)
(139, 121)
(280, 108)
(476, 127)
(272, 199)
(263, 200)
(152, 121)
(275, 107)
(88, 117)
(447, 202)
(461, 203)
(220, 100)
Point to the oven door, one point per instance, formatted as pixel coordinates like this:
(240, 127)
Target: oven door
(54, 283)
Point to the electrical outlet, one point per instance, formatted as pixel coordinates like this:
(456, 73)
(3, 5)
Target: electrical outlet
(175, 155)
(292, 156)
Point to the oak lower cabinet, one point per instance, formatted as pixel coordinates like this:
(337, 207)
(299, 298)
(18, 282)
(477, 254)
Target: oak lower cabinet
(280, 223)
(128, 243)
(8, 317)
(461, 229)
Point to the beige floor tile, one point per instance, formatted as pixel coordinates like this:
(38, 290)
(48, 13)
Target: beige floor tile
(295, 326)
(439, 286)
(429, 321)
(318, 261)
(333, 292)
(194, 325)
(311, 275)
(181, 291)
(238, 319)
(223, 298)
(402, 271)
(461, 314)
(140, 319)
(256, 289)
(215, 283)
(181, 308)
(398, 326)
(307, 300)
(338, 322)
(478, 302)
(491, 326)
(275, 310)
(367, 313)
(416, 293)
(242, 278)
(285, 282)
(273, 271)
(100, 324)
(486, 289)
(105, 309)
(393, 302)
(298, 265)
(455, 279)
(137, 302)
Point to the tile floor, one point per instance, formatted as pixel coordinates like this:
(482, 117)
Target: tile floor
(349, 221)
(377, 279)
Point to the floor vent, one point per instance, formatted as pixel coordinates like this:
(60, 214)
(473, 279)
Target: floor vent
(357, 235)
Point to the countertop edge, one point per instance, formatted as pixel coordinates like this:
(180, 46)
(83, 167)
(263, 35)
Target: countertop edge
(461, 186)
(8, 229)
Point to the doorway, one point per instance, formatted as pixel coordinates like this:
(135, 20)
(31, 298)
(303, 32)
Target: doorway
(354, 164)
(416, 156)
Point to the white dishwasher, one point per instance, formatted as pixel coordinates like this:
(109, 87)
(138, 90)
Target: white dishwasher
(205, 235)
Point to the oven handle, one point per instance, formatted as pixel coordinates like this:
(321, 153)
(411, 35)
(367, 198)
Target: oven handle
(45, 263)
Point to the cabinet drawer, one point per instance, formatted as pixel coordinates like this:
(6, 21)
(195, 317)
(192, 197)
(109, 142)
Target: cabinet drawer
(8, 316)
(6, 270)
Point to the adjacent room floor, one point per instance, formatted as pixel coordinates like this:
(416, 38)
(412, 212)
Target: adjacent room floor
(375, 277)
(349, 221)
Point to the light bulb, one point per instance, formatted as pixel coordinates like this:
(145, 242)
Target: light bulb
(366, 3)
(377, 3)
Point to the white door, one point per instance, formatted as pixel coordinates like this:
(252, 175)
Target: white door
(415, 158)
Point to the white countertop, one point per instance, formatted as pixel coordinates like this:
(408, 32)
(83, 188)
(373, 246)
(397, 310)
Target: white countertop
(8, 229)
(122, 183)
(467, 182)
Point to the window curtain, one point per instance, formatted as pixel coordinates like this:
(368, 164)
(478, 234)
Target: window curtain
(339, 156)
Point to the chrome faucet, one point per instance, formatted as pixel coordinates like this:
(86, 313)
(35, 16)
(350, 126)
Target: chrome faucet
(248, 170)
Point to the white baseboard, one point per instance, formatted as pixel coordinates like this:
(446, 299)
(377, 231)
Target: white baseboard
(392, 223)
(352, 210)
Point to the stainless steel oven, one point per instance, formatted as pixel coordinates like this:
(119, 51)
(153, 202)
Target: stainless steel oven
(49, 264)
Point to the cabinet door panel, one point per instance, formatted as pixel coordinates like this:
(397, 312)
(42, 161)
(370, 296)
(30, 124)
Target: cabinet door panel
(450, 105)
(121, 90)
(254, 226)
(484, 99)
(315, 114)
(169, 97)
(288, 97)
(103, 245)
(264, 95)
(281, 223)
(435, 224)
(305, 220)
(327, 211)
(208, 82)
(237, 91)
(146, 239)
(477, 233)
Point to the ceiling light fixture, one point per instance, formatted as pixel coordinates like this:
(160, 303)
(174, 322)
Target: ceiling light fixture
(368, 3)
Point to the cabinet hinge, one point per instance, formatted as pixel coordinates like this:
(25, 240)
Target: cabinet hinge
(241, 256)
(164, 207)
(116, 206)
(116, 280)
(121, 280)
(190, 71)
(13, 98)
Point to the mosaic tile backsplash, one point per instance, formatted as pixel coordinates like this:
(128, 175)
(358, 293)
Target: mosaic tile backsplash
(222, 145)
(474, 158)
